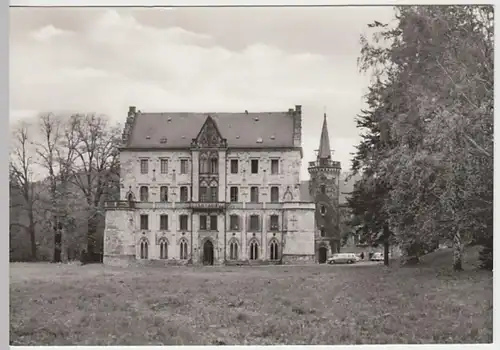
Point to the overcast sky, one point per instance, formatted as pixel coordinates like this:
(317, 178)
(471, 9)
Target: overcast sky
(199, 60)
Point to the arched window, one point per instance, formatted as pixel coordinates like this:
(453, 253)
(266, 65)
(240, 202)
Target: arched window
(130, 197)
(144, 194)
(322, 231)
(163, 194)
(323, 189)
(183, 250)
(163, 249)
(323, 210)
(203, 164)
(274, 250)
(254, 250)
(233, 250)
(144, 249)
(214, 166)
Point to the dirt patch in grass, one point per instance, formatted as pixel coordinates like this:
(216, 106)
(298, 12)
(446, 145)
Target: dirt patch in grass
(97, 305)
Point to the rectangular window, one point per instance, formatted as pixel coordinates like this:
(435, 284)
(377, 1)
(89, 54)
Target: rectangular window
(275, 166)
(183, 220)
(203, 222)
(214, 194)
(254, 194)
(274, 223)
(255, 166)
(144, 222)
(234, 166)
(163, 222)
(254, 223)
(203, 194)
(164, 166)
(184, 166)
(233, 191)
(234, 222)
(144, 166)
(275, 194)
(213, 222)
(184, 194)
(163, 194)
(144, 193)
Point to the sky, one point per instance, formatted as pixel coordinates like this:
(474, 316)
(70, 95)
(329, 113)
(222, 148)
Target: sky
(103, 60)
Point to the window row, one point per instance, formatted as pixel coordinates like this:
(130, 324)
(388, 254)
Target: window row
(254, 194)
(253, 250)
(164, 166)
(209, 194)
(144, 194)
(274, 250)
(211, 166)
(254, 166)
(210, 222)
(183, 249)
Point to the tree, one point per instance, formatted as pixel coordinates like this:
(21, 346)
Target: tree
(21, 182)
(434, 90)
(95, 171)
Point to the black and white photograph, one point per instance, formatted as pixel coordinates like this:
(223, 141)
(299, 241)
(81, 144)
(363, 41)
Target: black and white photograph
(251, 175)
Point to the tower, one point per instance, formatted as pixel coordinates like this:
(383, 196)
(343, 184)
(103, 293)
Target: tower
(324, 190)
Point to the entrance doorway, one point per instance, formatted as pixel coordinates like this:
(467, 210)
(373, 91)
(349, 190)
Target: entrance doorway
(208, 253)
(322, 253)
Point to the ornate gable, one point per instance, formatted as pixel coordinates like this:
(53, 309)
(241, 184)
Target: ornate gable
(209, 136)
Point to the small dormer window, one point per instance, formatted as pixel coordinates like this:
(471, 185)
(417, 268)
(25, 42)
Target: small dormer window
(259, 140)
(256, 119)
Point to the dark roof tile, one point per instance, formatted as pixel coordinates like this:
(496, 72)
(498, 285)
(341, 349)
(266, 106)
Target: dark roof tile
(275, 129)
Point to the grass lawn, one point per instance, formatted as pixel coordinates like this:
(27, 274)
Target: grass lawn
(96, 305)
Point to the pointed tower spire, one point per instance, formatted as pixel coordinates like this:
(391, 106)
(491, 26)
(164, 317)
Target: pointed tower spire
(324, 142)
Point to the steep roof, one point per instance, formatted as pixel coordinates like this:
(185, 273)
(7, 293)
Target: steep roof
(324, 142)
(259, 130)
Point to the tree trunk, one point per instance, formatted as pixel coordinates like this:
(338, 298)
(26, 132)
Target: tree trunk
(386, 244)
(458, 251)
(386, 252)
(32, 235)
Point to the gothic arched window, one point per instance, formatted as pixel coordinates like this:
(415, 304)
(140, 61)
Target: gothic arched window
(233, 250)
(144, 249)
(163, 249)
(254, 250)
(274, 250)
(183, 249)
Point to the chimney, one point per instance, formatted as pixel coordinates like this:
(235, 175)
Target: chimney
(131, 110)
(297, 126)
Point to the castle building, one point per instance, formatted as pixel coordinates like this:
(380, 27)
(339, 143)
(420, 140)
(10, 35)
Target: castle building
(220, 188)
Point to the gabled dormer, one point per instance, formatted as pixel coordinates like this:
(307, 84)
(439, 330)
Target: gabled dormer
(209, 136)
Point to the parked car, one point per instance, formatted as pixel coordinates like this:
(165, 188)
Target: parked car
(343, 258)
(377, 257)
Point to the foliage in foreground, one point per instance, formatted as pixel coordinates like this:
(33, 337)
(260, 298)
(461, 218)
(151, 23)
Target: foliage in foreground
(428, 141)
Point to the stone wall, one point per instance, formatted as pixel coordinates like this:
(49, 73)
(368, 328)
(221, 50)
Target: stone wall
(287, 179)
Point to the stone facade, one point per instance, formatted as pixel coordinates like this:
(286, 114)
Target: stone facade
(211, 202)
